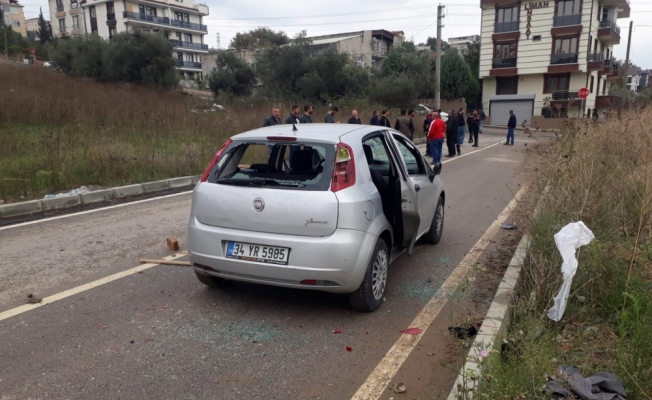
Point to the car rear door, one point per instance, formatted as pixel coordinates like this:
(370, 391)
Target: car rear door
(409, 200)
(419, 172)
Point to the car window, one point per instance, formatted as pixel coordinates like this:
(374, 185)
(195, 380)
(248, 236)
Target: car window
(411, 156)
(376, 153)
(298, 166)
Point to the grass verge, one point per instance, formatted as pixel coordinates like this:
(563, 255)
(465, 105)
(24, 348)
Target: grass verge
(601, 175)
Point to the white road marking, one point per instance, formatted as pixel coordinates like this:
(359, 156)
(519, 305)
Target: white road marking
(384, 372)
(92, 211)
(71, 292)
(499, 159)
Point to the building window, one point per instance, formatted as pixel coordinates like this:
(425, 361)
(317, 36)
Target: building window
(604, 87)
(507, 14)
(91, 12)
(504, 50)
(190, 57)
(180, 56)
(14, 10)
(565, 45)
(605, 14)
(73, 4)
(110, 11)
(567, 7)
(555, 82)
(112, 32)
(187, 37)
(75, 22)
(151, 11)
(178, 36)
(15, 22)
(592, 82)
(62, 25)
(507, 85)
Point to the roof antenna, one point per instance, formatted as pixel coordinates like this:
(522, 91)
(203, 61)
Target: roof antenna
(294, 127)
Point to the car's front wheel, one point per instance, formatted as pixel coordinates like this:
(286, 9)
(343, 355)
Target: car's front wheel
(213, 281)
(371, 292)
(437, 225)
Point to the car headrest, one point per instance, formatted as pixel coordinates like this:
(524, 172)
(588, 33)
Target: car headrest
(369, 153)
(301, 161)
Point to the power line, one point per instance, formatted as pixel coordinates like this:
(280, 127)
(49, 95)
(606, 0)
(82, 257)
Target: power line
(328, 23)
(327, 15)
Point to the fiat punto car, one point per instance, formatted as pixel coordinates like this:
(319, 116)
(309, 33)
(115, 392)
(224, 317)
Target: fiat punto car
(318, 206)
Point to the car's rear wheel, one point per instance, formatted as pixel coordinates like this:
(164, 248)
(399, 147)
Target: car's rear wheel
(371, 292)
(437, 226)
(213, 281)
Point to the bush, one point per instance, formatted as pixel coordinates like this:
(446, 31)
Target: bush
(231, 74)
(394, 91)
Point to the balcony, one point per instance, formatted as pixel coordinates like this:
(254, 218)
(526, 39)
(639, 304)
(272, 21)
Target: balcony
(567, 20)
(504, 62)
(188, 64)
(60, 8)
(563, 58)
(110, 16)
(511, 26)
(608, 101)
(189, 25)
(609, 32)
(189, 45)
(615, 70)
(596, 62)
(146, 18)
(565, 99)
(60, 11)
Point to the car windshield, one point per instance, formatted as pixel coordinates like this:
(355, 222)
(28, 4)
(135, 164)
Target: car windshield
(286, 165)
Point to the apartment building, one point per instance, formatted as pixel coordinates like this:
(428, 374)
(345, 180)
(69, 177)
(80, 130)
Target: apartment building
(366, 48)
(536, 55)
(460, 43)
(13, 15)
(180, 20)
(31, 25)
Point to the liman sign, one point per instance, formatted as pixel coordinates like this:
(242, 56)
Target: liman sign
(533, 6)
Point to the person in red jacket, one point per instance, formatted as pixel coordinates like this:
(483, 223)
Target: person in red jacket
(436, 136)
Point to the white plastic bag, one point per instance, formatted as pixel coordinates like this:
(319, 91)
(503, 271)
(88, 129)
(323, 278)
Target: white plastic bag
(568, 240)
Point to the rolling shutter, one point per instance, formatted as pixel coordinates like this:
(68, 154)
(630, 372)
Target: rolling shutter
(522, 105)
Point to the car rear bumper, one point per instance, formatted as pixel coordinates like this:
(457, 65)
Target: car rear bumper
(340, 258)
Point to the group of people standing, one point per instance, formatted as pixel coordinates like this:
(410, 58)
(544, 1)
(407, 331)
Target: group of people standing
(453, 131)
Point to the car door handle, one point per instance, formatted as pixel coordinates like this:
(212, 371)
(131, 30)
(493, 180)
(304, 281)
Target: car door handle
(417, 188)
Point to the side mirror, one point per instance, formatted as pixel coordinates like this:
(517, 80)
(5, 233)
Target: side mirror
(437, 169)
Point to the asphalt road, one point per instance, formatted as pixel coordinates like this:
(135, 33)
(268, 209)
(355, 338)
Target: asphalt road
(162, 334)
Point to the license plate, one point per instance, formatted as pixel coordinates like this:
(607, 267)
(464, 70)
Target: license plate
(258, 253)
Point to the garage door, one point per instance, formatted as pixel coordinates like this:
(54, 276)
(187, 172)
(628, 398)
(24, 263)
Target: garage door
(499, 111)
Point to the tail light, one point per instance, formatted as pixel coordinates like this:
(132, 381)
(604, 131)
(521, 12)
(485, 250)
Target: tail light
(344, 168)
(214, 160)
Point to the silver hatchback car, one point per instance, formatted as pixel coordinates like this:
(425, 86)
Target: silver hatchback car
(323, 207)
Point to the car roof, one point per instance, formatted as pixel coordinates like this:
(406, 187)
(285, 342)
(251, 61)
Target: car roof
(320, 132)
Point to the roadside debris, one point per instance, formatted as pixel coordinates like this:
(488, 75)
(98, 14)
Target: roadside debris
(568, 240)
(165, 262)
(412, 331)
(509, 226)
(31, 299)
(570, 383)
(172, 242)
(463, 333)
(398, 388)
(337, 331)
(74, 192)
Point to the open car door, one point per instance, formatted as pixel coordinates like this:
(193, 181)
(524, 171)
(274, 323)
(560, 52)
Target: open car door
(409, 203)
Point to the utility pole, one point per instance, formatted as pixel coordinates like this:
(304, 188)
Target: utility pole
(218, 41)
(4, 9)
(440, 9)
(629, 43)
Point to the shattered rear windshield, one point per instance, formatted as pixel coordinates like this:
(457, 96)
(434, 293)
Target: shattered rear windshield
(287, 165)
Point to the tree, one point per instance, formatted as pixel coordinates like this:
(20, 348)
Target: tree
(472, 57)
(281, 68)
(405, 60)
(231, 74)
(394, 91)
(454, 75)
(62, 52)
(258, 38)
(140, 58)
(87, 57)
(331, 76)
(44, 29)
(432, 42)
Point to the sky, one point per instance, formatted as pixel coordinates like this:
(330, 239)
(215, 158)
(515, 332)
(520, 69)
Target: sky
(417, 19)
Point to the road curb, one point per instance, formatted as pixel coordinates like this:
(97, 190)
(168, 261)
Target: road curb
(97, 196)
(496, 322)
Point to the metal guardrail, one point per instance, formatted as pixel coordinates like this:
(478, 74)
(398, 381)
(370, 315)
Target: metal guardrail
(188, 45)
(563, 58)
(189, 25)
(110, 16)
(610, 24)
(511, 26)
(188, 64)
(565, 95)
(145, 17)
(596, 57)
(509, 62)
(567, 20)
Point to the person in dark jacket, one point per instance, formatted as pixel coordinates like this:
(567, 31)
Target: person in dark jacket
(473, 122)
(329, 118)
(426, 128)
(461, 127)
(306, 118)
(483, 117)
(354, 118)
(511, 125)
(384, 119)
(404, 124)
(451, 136)
(274, 119)
(294, 117)
(374, 118)
(412, 128)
